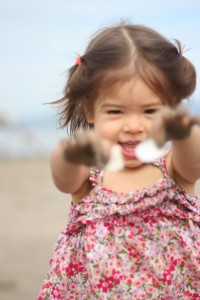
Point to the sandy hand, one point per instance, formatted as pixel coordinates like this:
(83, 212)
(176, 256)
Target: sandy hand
(169, 124)
(172, 124)
(87, 149)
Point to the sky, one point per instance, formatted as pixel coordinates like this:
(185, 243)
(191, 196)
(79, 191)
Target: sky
(40, 39)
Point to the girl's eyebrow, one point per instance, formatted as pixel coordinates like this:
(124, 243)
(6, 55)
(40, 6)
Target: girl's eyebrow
(114, 103)
(153, 104)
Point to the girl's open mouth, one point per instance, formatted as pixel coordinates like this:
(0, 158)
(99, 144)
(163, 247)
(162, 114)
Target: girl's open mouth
(128, 149)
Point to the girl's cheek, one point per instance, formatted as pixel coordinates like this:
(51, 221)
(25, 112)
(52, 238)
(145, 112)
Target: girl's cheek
(104, 131)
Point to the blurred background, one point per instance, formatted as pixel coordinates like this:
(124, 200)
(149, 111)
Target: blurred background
(39, 42)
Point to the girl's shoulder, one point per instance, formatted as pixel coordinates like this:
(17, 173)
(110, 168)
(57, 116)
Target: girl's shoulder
(94, 177)
(167, 162)
(85, 187)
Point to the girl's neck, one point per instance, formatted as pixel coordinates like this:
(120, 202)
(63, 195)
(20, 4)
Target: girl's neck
(132, 179)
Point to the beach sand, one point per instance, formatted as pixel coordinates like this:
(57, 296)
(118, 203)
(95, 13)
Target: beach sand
(32, 214)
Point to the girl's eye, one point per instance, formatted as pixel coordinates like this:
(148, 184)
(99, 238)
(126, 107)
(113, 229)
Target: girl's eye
(114, 112)
(150, 111)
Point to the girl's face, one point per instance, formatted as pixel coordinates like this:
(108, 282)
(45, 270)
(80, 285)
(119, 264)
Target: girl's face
(125, 117)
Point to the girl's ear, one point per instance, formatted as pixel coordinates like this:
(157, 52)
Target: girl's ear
(88, 114)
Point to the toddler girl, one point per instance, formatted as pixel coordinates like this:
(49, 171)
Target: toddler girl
(133, 233)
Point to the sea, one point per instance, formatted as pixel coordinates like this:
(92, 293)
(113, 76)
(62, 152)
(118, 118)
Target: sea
(32, 137)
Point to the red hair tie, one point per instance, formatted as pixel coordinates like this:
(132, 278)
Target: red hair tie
(78, 60)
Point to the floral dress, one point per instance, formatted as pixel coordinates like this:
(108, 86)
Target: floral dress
(124, 246)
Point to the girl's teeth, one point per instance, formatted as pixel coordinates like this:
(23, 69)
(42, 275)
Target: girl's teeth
(129, 148)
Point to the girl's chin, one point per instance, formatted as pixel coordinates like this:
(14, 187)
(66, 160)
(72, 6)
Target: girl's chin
(132, 163)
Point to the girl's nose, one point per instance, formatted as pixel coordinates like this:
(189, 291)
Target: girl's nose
(133, 124)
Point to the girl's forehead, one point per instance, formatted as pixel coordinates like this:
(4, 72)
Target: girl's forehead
(134, 88)
(115, 87)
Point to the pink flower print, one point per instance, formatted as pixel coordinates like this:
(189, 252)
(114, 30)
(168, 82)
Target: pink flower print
(73, 269)
(139, 231)
(129, 281)
(143, 280)
(143, 269)
(155, 282)
(183, 243)
(57, 269)
(150, 289)
(51, 273)
(63, 284)
(138, 282)
(165, 292)
(107, 273)
(132, 252)
(71, 286)
(171, 269)
(195, 284)
(133, 268)
(105, 284)
(70, 270)
(118, 264)
(116, 277)
(131, 235)
(90, 247)
(47, 285)
(109, 226)
(195, 296)
(143, 296)
(111, 264)
(63, 258)
(150, 220)
(169, 235)
(188, 293)
(120, 231)
(97, 272)
(159, 267)
(55, 293)
(167, 277)
(171, 249)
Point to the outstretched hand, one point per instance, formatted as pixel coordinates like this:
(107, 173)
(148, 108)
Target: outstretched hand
(173, 124)
(86, 148)
(169, 124)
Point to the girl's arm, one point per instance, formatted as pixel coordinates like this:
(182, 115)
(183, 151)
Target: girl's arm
(177, 125)
(68, 177)
(186, 156)
(71, 161)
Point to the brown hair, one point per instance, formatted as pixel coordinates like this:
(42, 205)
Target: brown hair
(116, 54)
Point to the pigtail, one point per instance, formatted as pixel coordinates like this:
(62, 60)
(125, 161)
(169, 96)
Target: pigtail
(70, 107)
(63, 104)
(187, 76)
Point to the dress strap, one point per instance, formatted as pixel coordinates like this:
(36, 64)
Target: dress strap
(161, 164)
(96, 175)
